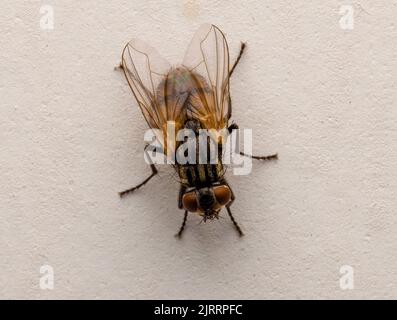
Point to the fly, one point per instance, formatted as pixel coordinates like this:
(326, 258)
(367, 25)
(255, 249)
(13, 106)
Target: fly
(194, 96)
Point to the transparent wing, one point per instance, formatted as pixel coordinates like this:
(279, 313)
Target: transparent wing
(153, 83)
(207, 58)
(144, 69)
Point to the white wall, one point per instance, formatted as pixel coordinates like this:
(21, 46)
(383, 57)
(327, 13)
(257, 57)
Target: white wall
(72, 137)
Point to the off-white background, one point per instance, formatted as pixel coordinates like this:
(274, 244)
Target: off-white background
(72, 137)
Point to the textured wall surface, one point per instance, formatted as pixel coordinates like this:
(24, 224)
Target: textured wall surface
(321, 96)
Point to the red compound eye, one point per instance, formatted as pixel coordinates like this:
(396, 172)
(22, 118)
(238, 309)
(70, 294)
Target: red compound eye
(223, 194)
(189, 201)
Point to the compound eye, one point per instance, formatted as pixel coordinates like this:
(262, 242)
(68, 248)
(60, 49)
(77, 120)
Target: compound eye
(189, 201)
(223, 194)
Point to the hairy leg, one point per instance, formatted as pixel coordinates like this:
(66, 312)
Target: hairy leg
(234, 126)
(242, 48)
(236, 225)
(154, 172)
(179, 234)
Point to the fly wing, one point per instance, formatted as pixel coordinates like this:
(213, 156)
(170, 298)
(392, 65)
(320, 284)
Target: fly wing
(208, 60)
(144, 69)
(147, 72)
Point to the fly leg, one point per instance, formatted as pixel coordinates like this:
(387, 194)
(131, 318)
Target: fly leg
(271, 157)
(179, 234)
(240, 233)
(234, 126)
(119, 67)
(242, 48)
(154, 172)
(181, 192)
(180, 206)
(238, 229)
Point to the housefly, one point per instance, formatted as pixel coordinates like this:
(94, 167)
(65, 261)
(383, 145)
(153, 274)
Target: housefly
(193, 96)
